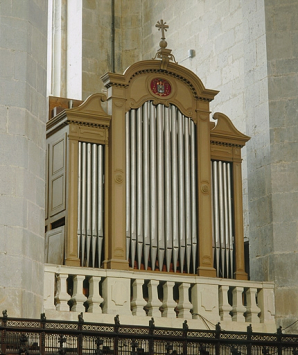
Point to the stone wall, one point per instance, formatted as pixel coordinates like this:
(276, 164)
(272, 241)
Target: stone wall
(97, 46)
(258, 149)
(282, 55)
(23, 28)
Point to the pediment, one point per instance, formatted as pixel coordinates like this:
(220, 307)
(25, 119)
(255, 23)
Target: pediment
(225, 132)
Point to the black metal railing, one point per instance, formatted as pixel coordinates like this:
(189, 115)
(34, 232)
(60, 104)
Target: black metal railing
(47, 337)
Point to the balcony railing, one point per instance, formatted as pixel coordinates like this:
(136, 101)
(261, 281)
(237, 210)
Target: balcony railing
(170, 298)
(45, 337)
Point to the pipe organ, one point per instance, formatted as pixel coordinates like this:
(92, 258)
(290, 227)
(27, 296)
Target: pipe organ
(161, 204)
(149, 182)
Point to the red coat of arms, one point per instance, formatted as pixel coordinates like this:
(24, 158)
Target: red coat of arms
(160, 87)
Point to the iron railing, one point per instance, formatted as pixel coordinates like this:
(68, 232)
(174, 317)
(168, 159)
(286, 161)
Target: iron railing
(45, 337)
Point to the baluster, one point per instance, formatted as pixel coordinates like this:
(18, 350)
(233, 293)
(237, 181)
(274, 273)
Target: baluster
(138, 303)
(62, 297)
(224, 306)
(94, 300)
(153, 303)
(238, 308)
(78, 297)
(252, 310)
(184, 306)
(168, 302)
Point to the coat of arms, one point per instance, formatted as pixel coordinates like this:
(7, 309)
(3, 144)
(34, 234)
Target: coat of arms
(160, 87)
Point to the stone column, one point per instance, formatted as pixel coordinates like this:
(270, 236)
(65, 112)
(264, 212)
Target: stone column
(23, 109)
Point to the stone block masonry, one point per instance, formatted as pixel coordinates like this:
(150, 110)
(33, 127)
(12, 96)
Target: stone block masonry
(22, 158)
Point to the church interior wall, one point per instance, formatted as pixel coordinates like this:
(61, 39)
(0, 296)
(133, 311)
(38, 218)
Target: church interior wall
(245, 49)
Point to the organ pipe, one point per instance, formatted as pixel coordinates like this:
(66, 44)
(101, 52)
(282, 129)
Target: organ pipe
(147, 215)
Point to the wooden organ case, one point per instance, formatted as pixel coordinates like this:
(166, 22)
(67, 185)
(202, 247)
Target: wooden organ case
(153, 184)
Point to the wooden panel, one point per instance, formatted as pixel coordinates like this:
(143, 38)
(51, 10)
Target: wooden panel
(57, 171)
(57, 193)
(54, 248)
(221, 152)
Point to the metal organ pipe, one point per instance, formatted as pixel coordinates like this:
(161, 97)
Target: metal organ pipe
(84, 202)
(146, 185)
(139, 188)
(222, 218)
(216, 215)
(194, 237)
(127, 179)
(229, 182)
(175, 187)
(160, 184)
(160, 155)
(153, 197)
(94, 201)
(100, 201)
(133, 192)
(181, 190)
(226, 217)
(90, 203)
(168, 190)
(187, 194)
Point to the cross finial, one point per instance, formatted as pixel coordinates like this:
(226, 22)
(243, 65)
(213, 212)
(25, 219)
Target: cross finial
(163, 52)
(163, 27)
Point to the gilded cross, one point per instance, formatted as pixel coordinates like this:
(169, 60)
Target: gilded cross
(163, 27)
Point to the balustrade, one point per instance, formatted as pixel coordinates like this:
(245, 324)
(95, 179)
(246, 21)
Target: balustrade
(171, 296)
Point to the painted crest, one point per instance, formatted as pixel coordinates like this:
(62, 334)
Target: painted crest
(160, 87)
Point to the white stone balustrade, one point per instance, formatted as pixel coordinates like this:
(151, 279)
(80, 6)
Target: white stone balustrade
(168, 298)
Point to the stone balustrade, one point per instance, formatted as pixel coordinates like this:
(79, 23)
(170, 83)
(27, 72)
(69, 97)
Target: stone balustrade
(169, 298)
